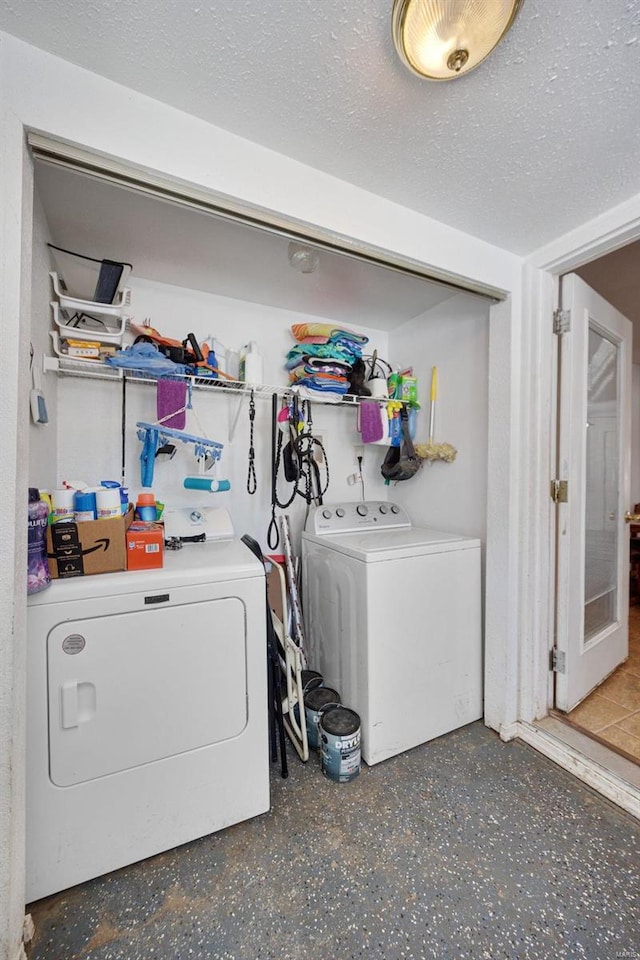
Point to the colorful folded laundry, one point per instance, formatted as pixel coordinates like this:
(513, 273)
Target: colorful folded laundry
(325, 351)
(326, 386)
(301, 373)
(322, 361)
(303, 369)
(302, 330)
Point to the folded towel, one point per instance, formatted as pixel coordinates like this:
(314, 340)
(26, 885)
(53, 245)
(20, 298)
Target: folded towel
(371, 422)
(342, 340)
(316, 365)
(323, 386)
(300, 373)
(302, 330)
(325, 351)
(171, 398)
(328, 365)
(302, 370)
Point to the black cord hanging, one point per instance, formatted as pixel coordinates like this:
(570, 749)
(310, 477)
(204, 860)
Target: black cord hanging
(252, 483)
(273, 534)
(301, 468)
(307, 447)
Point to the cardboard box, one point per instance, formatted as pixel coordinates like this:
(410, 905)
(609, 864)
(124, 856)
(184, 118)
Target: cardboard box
(145, 545)
(81, 549)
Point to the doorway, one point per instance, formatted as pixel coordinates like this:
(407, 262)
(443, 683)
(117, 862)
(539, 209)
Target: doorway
(599, 694)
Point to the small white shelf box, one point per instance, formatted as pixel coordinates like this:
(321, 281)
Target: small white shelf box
(106, 331)
(74, 305)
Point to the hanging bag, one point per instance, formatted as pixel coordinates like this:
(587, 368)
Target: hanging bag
(401, 462)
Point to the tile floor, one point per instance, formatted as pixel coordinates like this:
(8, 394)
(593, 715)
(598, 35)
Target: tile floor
(612, 712)
(466, 848)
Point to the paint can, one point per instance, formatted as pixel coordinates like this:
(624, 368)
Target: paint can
(315, 702)
(339, 734)
(310, 680)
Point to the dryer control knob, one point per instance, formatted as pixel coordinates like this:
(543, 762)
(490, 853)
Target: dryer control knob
(362, 509)
(339, 512)
(326, 514)
(383, 508)
(395, 509)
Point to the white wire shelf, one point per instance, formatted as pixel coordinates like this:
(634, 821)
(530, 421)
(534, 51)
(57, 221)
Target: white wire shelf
(98, 370)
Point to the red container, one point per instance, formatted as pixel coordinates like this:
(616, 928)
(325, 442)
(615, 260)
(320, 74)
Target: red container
(145, 546)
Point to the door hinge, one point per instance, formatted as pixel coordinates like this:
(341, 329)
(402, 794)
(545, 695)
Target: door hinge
(557, 660)
(560, 491)
(561, 321)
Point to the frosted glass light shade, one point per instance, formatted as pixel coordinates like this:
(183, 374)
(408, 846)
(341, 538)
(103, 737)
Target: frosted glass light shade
(443, 39)
(302, 258)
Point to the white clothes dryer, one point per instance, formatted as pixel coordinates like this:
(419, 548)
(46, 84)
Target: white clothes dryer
(146, 712)
(393, 622)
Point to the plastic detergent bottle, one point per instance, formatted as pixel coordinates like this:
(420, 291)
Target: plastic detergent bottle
(38, 576)
(251, 363)
(146, 508)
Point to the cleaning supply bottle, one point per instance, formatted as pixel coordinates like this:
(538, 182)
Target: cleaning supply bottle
(146, 508)
(38, 576)
(250, 363)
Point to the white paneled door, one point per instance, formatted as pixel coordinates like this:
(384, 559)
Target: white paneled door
(594, 437)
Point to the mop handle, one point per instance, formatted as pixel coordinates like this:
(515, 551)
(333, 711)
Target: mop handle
(434, 397)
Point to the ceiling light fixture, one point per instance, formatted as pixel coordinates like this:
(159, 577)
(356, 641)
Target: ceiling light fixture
(302, 258)
(444, 39)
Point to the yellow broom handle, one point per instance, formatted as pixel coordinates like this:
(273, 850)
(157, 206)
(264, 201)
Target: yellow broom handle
(434, 397)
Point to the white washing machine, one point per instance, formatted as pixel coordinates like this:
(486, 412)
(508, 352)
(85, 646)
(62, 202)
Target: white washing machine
(393, 622)
(146, 712)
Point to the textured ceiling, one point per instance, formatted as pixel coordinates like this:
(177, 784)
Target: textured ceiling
(541, 137)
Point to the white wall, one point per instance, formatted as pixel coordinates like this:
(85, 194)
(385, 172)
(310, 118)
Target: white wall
(454, 337)
(41, 92)
(42, 437)
(16, 186)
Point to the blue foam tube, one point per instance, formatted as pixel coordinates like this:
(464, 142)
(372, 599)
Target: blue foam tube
(204, 483)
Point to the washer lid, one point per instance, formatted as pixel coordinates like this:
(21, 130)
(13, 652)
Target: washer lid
(373, 546)
(208, 562)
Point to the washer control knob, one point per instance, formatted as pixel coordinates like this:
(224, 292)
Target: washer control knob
(395, 509)
(326, 514)
(362, 509)
(339, 512)
(383, 508)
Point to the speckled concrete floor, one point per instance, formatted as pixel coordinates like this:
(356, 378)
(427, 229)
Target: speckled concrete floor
(463, 848)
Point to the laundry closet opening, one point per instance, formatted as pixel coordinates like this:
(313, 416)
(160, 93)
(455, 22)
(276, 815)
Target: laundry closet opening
(194, 271)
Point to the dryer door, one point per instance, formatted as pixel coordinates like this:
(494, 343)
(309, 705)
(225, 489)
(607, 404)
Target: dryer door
(134, 688)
